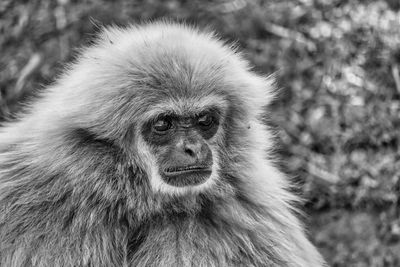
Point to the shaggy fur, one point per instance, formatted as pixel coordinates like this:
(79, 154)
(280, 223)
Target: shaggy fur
(79, 185)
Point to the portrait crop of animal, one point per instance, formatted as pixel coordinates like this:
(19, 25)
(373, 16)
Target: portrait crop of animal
(150, 150)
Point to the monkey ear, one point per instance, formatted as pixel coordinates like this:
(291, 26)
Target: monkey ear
(270, 88)
(261, 92)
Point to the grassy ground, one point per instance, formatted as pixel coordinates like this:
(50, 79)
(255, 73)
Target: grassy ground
(338, 116)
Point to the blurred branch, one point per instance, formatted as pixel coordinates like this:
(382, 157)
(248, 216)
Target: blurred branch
(322, 174)
(396, 76)
(302, 153)
(30, 68)
(232, 6)
(290, 34)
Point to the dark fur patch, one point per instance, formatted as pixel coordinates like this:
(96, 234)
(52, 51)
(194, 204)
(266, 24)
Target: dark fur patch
(84, 137)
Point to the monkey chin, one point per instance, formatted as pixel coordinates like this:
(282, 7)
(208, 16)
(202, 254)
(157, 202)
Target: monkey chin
(186, 177)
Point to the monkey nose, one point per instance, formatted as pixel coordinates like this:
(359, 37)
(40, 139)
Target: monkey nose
(192, 150)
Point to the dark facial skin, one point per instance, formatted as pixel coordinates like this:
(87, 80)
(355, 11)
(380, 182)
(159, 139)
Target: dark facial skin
(180, 144)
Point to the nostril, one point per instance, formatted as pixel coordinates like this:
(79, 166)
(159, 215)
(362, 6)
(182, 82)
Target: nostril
(190, 152)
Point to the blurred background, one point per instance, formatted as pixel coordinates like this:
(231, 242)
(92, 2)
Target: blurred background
(337, 119)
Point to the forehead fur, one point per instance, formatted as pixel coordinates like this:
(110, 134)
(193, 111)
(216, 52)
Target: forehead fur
(167, 59)
(139, 67)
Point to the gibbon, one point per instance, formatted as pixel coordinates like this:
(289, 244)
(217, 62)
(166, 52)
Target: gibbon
(149, 150)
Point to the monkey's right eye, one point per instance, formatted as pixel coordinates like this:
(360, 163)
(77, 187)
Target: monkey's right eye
(162, 125)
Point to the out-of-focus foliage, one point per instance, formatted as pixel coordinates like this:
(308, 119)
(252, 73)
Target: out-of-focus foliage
(338, 115)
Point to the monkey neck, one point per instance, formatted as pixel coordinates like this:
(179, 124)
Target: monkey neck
(118, 212)
(220, 232)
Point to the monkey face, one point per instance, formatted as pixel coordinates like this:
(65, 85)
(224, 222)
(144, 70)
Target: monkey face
(177, 112)
(181, 146)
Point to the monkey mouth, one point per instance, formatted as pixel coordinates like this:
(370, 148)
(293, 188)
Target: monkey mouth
(185, 169)
(186, 175)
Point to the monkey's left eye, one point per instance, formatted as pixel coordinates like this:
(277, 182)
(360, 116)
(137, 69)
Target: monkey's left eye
(205, 120)
(162, 125)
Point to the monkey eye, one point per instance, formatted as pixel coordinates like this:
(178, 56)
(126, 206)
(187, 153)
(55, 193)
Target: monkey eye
(205, 120)
(162, 125)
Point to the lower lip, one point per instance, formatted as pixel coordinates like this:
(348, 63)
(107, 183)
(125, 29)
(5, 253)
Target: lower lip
(186, 177)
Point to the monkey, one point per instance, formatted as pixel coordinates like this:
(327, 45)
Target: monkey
(149, 150)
